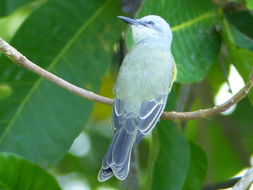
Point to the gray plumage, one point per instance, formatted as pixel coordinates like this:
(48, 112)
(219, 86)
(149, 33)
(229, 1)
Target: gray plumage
(141, 91)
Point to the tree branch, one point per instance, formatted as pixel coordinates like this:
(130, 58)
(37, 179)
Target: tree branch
(21, 60)
(245, 180)
(222, 185)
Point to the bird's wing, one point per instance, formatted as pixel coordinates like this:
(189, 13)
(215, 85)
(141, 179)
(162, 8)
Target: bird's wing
(150, 113)
(117, 113)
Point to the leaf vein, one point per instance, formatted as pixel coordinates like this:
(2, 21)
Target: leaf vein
(57, 58)
(193, 21)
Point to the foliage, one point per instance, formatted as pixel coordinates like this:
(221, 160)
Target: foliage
(249, 4)
(18, 173)
(58, 49)
(80, 41)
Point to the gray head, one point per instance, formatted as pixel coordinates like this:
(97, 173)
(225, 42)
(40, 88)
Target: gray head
(149, 28)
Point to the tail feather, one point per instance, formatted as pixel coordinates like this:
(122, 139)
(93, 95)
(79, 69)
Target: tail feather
(105, 174)
(117, 159)
(122, 174)
(107, 160)
(122, 147)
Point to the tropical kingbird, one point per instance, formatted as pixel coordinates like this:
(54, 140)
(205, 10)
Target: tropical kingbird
(144, 81)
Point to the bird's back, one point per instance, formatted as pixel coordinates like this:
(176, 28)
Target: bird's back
(146, 71)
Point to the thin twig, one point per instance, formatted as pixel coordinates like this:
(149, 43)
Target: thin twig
(21, 60)
(200, 114)
(245, 181)
(222, 185)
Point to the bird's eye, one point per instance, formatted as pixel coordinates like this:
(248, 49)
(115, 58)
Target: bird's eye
(151, 22)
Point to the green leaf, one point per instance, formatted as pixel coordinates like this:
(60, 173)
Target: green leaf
(241, 20)
(240, 122)
(197, 169)
(10, 24)
(195, 43)
(3, 186)
(169, 155)
(18, 173)
(249, 4)
(241, 40)
(240, 30)
(241, 58)
(9, 6)
(5, 91)
(172, 160)
(224, 156)
(217, 136)
(40, 120)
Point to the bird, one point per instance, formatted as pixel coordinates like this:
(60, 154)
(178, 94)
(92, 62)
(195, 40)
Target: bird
(143, 83)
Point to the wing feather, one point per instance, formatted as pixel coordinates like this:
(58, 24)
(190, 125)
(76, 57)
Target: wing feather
(117, 113)
(150, 113)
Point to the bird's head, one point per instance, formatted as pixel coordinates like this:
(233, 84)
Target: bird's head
(149, 28)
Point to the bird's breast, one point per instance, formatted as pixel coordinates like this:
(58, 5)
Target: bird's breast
(146, 72)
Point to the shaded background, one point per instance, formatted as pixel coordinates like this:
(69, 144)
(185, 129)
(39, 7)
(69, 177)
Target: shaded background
(83, 42)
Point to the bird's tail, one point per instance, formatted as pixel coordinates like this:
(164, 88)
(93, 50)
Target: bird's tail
(117, 159)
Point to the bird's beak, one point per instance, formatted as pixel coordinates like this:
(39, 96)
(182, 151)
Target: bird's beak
(128, 20)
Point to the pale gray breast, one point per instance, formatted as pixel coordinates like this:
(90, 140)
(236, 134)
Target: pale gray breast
(145, 73)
